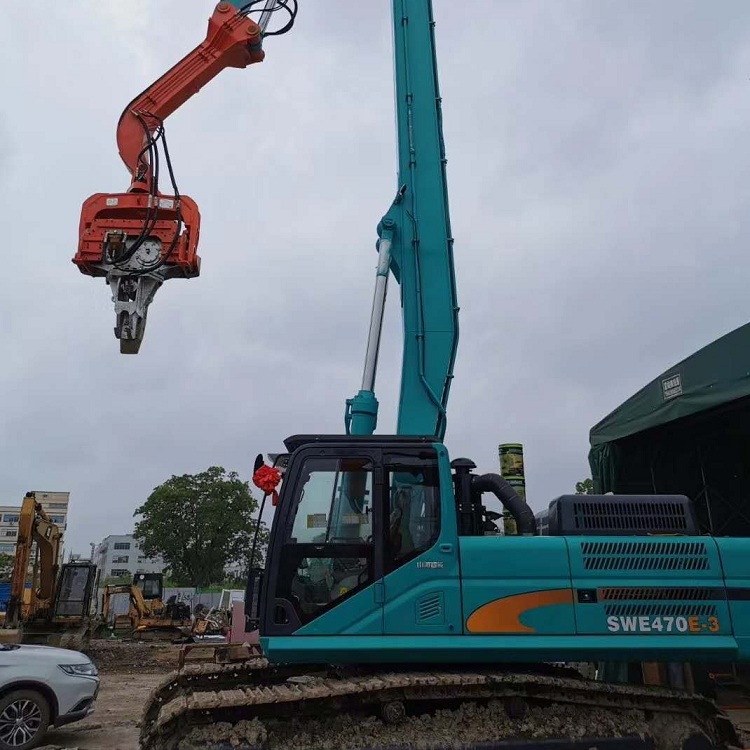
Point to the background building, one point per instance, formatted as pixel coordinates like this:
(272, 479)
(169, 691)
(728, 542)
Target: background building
(55, 505)
(120, 556)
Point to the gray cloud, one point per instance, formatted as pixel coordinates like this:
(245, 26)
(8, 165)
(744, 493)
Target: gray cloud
(597, 168)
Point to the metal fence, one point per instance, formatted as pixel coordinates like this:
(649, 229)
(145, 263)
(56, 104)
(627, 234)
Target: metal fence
(191, 596)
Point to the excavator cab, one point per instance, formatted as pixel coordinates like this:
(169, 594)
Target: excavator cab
(361, 528)
(68, 619)
(75, 588)
(150, 584)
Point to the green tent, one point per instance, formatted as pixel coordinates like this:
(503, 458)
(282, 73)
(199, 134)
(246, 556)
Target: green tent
(686, 432)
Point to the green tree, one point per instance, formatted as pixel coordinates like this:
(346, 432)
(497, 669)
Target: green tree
(586, 487)
(200, 523)
(6, 567)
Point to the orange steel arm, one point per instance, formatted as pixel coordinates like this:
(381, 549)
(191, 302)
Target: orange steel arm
(138, 239)
(233, 41)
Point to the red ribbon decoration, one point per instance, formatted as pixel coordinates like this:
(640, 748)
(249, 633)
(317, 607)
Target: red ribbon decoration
(267, 479)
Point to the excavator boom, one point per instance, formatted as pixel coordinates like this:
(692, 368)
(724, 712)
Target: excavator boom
(34, 527)
(415, 243)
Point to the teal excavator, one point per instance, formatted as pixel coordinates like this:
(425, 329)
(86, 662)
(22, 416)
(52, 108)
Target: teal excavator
(391, 611)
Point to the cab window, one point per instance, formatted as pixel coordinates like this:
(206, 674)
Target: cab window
(413, 509)
(328, 550)
(335, 502)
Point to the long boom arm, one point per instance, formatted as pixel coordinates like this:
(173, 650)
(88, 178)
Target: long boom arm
(415, 243)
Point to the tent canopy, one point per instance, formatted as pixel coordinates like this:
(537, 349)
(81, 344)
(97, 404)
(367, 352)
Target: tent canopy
(716, 374)
(687, 432)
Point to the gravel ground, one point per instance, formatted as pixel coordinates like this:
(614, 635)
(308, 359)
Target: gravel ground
(741, 719)
(448, 728)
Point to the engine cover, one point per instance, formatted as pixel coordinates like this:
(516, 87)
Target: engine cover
(619, 515)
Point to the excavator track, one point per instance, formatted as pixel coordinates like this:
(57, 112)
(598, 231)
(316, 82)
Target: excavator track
(257, 706)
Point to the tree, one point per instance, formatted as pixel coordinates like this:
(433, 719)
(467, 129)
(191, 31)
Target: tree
(200, 523)
(6, 567)
(586, 487)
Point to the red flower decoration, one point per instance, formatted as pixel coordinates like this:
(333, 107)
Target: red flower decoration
(267, 478)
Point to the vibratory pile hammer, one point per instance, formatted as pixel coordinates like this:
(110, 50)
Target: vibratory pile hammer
(391, 613)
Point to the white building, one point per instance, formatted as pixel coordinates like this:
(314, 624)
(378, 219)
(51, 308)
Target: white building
(120, 556)
(55, 505)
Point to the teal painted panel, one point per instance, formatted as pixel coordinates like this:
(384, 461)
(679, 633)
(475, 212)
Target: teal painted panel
(424, 595)
(626, 573)
(740, 614)
(743, 649)
(360, 614)
(735, 558)
(657, 586)
(630, 560)
(423, 607)
(674, 616)
(503, 566)
(492, 649)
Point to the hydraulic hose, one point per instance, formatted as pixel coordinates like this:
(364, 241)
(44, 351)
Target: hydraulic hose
(510, 499)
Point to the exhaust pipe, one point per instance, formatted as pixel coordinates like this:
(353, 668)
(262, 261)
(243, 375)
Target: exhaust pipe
(504, 492)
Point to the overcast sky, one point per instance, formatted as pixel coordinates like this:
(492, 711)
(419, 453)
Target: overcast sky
(599, 168)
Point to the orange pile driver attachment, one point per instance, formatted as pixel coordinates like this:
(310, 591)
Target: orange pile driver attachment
(138, 239)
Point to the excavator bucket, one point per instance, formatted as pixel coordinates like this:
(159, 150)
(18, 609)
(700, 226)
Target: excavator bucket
(137, 241)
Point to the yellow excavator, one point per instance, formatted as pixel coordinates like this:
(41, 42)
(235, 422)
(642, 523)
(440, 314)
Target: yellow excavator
(148, 617)
(57, 608)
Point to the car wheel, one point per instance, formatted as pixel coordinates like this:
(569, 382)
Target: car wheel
(24, 718)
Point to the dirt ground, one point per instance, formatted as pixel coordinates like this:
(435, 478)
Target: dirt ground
(129, 672)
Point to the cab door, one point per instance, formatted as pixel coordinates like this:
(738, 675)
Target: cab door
(324, 562)
(422, 583)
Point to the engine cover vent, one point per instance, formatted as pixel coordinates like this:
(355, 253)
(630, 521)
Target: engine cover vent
(621, 515)
(431, 609)
(656, 593)
(663, 555)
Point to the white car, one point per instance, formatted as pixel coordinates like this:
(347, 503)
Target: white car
(41, 687)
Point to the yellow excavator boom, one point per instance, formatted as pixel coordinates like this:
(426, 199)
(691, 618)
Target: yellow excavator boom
(34, 526)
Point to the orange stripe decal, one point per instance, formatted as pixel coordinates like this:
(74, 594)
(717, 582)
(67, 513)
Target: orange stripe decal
(503, 615)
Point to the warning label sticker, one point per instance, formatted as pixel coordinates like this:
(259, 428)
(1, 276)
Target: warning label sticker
(317, 521)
